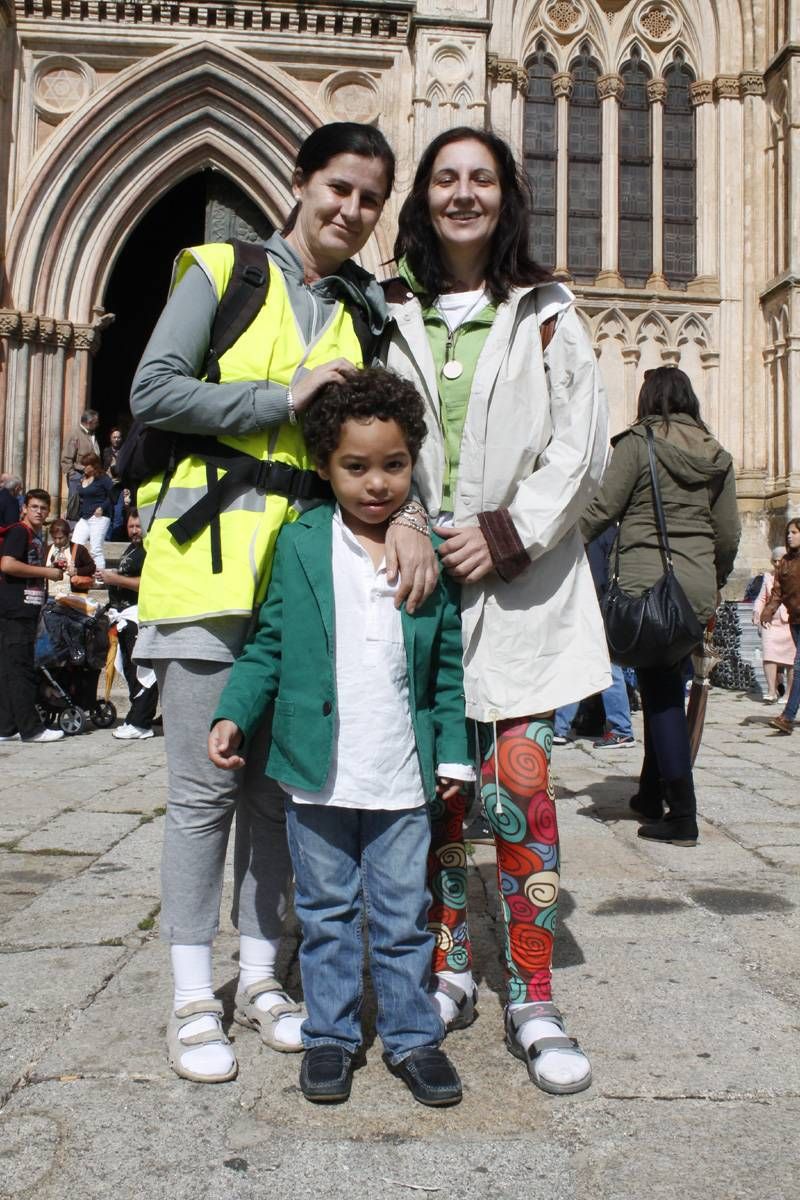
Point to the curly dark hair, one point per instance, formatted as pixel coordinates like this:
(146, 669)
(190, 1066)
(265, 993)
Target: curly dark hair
(371, 393)
(510, 262)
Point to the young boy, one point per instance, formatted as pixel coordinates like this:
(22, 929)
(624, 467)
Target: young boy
(369, 707)
(23, 591)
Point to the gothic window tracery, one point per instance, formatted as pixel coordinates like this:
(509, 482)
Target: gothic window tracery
(540, 149)
(635, 174)
(585, 150)
(680, 167)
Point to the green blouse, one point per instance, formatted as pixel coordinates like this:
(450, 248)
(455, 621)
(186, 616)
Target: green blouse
(454, 393)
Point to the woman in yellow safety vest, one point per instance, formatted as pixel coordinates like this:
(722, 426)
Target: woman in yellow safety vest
(198, 590)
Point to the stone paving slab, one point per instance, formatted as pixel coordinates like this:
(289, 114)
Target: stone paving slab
(73, 832)
(37, 990)
(677, 969)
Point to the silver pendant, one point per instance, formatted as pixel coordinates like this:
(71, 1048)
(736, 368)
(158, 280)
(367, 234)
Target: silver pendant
(452, 369)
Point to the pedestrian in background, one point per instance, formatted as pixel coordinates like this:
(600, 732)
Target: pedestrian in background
(698, 490)
(95, 508)
(777, 643)
(618, 733)
(786, 591)
(10, 492)
(80, 441)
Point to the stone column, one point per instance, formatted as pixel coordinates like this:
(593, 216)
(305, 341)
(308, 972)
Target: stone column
(727, 91)
(657, 94)
(56, 484)
(708, 198)
(609, 89)
(710, 363)
(630, 357)
(10, 329)
(509, 80)
(755, 224)
(562, 90)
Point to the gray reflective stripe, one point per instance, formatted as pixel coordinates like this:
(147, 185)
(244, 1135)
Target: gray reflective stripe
(179, 500)
(191, 620)
(254, 570)
(146, 514)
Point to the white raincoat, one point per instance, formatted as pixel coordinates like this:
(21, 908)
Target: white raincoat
(535, 442)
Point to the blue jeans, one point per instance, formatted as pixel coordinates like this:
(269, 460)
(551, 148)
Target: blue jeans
(350, 863)
(793, 703)
(615, 703)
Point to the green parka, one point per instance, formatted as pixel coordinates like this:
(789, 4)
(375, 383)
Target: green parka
(698, 491)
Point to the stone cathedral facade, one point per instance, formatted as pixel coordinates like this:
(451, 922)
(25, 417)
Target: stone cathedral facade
(660, 138)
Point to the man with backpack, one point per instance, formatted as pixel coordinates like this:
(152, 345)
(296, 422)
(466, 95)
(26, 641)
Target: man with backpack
(23, 591)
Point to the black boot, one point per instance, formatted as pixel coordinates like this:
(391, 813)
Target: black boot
(648, 803)
(679, 826)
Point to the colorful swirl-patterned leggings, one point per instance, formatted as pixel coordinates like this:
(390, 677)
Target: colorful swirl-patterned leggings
(518, 798)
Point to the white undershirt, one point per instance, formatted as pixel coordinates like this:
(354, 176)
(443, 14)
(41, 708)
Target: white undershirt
(454, 306)
(375, 764)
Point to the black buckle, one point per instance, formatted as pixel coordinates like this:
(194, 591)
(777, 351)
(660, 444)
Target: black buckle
(254, 276)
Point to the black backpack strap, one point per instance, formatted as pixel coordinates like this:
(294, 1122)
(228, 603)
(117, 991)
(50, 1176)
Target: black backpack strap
(241, 302)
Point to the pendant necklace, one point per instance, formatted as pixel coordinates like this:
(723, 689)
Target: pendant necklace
(452, 368)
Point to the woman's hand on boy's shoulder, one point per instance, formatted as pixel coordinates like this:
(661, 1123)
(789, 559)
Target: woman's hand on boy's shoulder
(224, 741)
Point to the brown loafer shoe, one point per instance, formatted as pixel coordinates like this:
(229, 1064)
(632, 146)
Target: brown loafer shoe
(782, 723)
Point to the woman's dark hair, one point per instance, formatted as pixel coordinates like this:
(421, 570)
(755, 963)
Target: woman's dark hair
(665, 392)
(371, 394)
(510, 263)
(341, 137)
(91, 460)
(60, 523)
(794, 521)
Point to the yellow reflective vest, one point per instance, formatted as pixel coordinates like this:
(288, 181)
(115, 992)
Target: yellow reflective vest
(178, 583)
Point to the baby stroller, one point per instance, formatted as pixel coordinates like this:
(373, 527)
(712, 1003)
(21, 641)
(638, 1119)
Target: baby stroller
(71, 650)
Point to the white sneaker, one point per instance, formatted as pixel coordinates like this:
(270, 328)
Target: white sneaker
(9, 737)
(130, 732)
(47, 735)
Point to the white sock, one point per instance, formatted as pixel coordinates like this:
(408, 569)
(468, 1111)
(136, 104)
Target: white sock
(447, 1007)
(257, 957)
(556, 1066)
(191, 971)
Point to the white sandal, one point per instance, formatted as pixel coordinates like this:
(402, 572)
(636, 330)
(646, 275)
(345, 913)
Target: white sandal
(177, 1045)
(464, 1002)
(544, 1011)
(247, 1013)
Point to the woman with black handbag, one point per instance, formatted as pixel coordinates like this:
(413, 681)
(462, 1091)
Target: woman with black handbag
(678, 536)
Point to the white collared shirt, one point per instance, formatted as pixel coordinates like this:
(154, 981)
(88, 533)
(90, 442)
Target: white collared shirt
(375, 764)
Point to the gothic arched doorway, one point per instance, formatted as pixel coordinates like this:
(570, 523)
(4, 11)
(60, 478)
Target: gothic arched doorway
(205, 207)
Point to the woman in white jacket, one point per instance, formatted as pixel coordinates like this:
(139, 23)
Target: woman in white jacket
(517, 441)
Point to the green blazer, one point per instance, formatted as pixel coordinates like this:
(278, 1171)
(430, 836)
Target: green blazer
(290, 660)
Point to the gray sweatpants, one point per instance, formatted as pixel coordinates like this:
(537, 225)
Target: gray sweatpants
(202, 802)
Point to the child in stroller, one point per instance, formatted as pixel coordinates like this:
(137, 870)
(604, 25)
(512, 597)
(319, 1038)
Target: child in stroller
(71, 650)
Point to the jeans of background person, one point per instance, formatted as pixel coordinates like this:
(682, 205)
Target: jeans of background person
(18, 679)
(666, 731)
(615, 703)
(353, 865)
(202, 800)
(91, 532)
(793, 703)
(144, 700)
(118, 531)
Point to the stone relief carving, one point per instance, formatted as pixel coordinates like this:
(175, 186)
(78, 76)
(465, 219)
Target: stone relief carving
(230, 214)
(352, 96)
(61, 84)
(10, 322)
(727, 87)
(657, 91)
(507, 70)
(563, 84)
(610, 85)
(752, 83)
(658, 23)
(701, 92)
(565, 18)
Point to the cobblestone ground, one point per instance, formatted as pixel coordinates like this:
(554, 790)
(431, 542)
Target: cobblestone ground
(676, 968)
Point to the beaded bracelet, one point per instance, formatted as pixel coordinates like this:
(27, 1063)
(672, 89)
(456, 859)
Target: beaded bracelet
(412, 524)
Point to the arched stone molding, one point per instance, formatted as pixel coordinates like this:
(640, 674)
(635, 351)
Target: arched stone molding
(532, 28)
(156, 123)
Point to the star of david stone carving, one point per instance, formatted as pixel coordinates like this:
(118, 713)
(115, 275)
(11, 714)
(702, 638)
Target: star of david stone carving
(61, 89)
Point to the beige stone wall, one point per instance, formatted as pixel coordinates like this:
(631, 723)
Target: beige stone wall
(104, 105)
